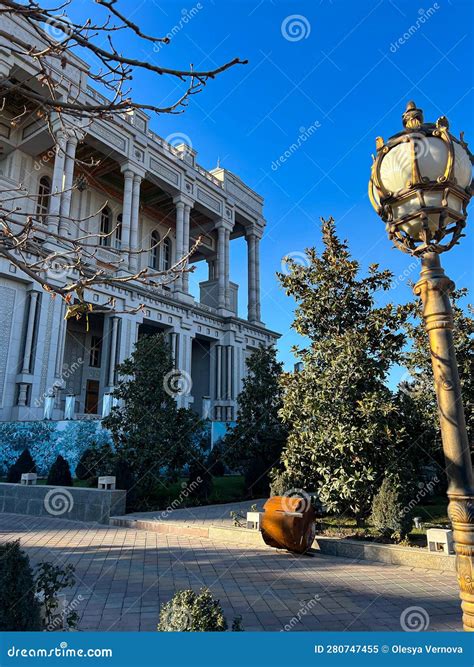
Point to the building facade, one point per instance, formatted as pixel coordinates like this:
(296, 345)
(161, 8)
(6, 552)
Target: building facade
(144, 195)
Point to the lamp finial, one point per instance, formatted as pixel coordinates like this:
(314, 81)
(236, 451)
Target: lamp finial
(412, 117)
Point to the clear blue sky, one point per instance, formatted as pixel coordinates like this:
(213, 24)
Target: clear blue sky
(349, 75)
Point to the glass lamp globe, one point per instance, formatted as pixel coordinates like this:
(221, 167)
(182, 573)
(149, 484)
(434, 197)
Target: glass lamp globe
(421, 184)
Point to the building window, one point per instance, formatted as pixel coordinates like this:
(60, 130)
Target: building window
(95, 351)
(166, 254)
(155, 251)
(118, 232)
(105, 226)
(42, 203)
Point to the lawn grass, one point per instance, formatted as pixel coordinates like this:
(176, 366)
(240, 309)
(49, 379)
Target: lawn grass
(432, 513)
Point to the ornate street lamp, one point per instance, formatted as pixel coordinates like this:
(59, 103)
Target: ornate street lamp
(420, 186)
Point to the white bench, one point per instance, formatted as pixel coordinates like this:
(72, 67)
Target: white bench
(253, 520)
(29, 478)
(440, 539)
(107, 483)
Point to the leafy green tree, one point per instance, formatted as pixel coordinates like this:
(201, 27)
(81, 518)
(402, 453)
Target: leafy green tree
(391, 515)
(95, 461)
(19, 608)
(147, 428)
(419, 385)
(60, 474)
(23, 464)
(254, 445)
(345, 427)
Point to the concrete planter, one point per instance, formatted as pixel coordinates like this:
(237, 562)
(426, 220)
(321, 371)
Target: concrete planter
(384, 553)
(61, 502)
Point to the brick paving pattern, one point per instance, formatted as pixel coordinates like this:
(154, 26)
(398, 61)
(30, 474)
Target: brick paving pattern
(124, 575)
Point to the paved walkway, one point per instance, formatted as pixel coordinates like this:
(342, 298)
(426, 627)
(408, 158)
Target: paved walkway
(206, 515)
(123, 575)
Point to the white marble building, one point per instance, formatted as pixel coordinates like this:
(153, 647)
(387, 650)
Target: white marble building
(151, 188)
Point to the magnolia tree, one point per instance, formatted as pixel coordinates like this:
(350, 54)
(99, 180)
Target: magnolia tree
(255, 443)
(48, 94)
(418, 383)
(347, 430)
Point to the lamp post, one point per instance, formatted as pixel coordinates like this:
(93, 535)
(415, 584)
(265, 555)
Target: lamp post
(420, 186)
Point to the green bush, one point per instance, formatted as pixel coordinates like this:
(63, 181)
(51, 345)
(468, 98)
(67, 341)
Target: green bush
(125, 480)
(391, 516)
(257, 479)
(215, 463)
(280, 482)
(94, 462)
(23, 464)
(50, 580)
(59, 473)
(188, 611)
(19, 608)
(199, 481)
(86, 466)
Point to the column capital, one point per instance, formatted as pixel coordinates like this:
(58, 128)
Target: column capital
(181, 198)
(224, 224)
(137, 172)
(253, 231)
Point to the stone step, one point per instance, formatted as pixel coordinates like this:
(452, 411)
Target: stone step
(218, 533)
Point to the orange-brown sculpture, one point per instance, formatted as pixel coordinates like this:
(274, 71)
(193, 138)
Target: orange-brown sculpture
(288, 523)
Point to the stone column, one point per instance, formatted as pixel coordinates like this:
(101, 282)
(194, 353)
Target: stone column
(218, 372)
(57, 183)
(227, 268)
(134, 222)
(179, 245)
(186, 227)
(252, 279)
(126, 212)
(229, 373)
(257, 279)
(221, 265)
(174, 344)
(113, 350)
(62, 331)
(22, 395)
(65, 204)
(30, 331)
